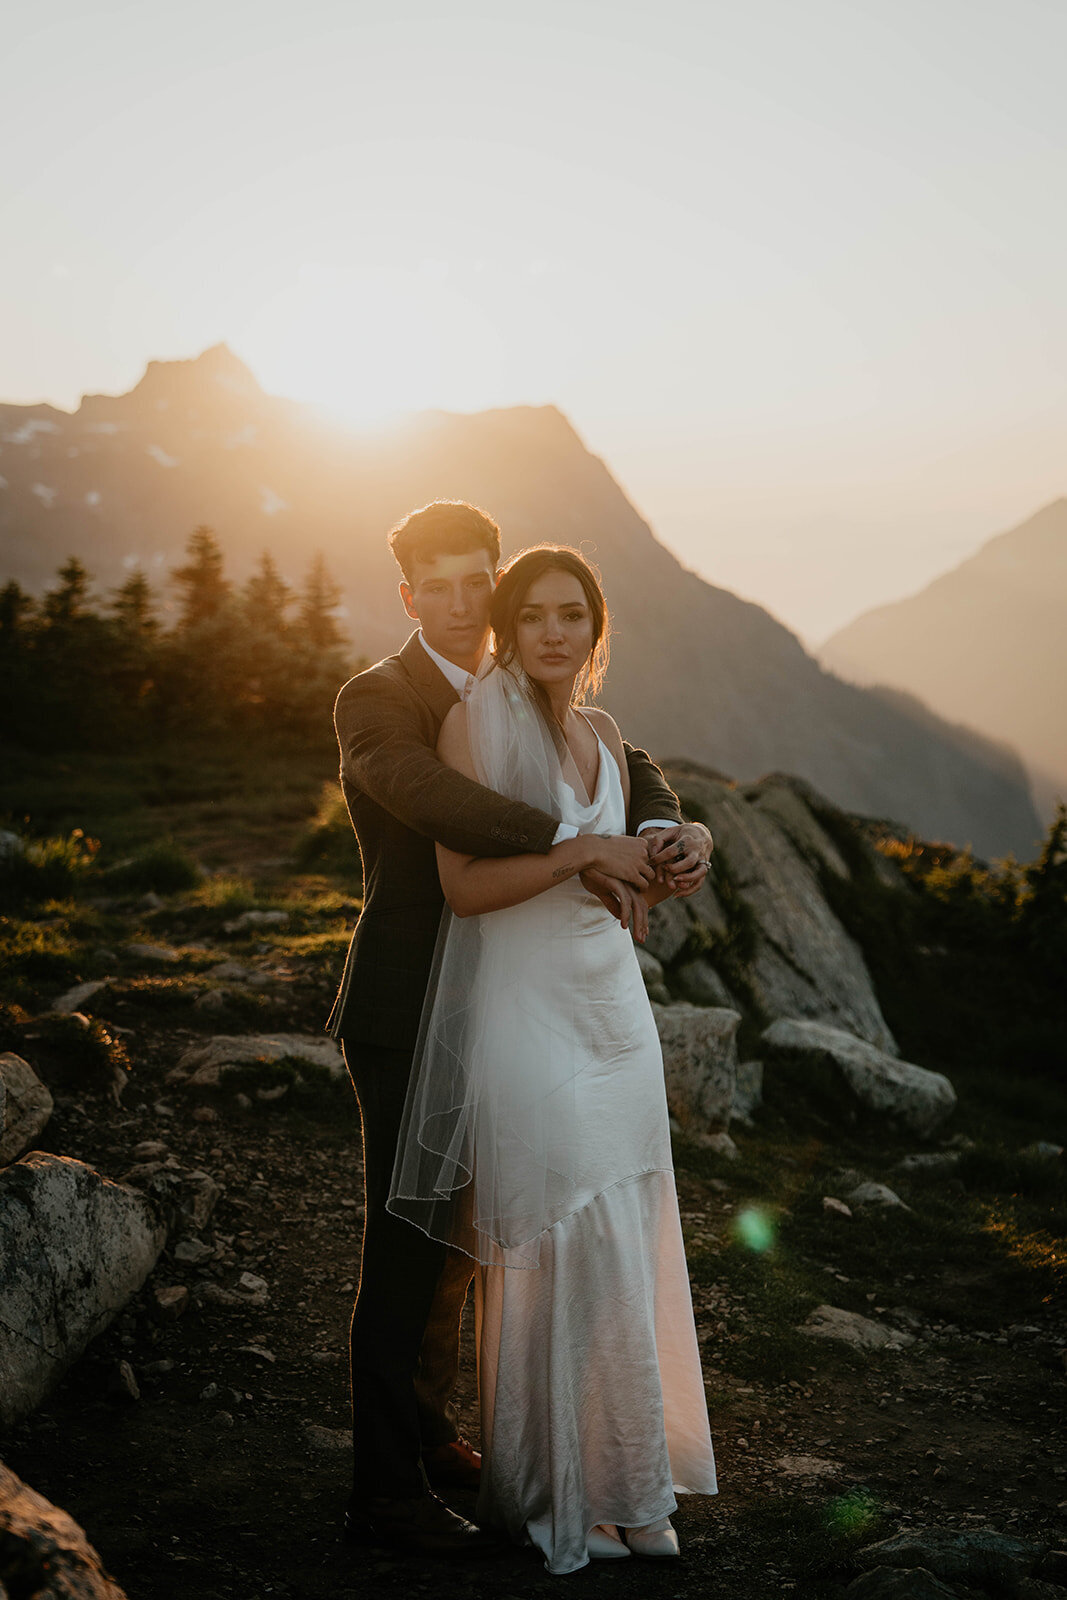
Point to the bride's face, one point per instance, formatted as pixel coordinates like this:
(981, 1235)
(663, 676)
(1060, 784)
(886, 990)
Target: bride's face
(554, 629)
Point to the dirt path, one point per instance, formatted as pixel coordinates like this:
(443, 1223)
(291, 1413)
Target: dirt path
(227, 1477)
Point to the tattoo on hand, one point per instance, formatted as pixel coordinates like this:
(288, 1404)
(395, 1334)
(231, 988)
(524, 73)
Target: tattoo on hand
(564, 872)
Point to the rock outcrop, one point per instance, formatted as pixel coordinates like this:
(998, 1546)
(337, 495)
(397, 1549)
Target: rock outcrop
(25, 1107)
(73, 1248)
(765, 922)
(44, 1554)
(847, 1075)
(699, 1064)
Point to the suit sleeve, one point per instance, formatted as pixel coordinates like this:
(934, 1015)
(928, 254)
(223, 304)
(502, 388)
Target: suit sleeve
(650, 793)
(385, 754)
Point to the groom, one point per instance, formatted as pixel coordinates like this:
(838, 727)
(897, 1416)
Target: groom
(401, 798)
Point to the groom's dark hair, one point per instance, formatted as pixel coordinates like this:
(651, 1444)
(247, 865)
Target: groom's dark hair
(445, 527)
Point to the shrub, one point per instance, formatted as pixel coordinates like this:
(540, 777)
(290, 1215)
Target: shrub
(32, 870)
(328, 842)
(163, 867)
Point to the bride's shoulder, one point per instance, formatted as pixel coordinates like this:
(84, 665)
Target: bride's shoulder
(605, 725)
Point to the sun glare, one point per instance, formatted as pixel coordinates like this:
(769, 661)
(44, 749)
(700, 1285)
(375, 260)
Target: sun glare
(366, 347)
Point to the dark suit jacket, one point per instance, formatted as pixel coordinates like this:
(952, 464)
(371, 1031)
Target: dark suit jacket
(401, 799)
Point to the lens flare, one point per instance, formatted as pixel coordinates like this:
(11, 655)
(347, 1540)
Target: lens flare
(755, 1229)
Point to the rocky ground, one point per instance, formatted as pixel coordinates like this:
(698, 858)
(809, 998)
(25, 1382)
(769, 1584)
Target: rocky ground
(201, 1441)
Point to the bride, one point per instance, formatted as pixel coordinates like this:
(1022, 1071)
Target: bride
(535, 1135)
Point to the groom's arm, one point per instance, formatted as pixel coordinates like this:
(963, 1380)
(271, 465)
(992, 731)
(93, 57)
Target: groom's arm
(682, 849)
(385, 753)
(651, 797)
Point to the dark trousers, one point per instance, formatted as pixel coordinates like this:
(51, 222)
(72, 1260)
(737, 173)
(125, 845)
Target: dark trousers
(405, 1325)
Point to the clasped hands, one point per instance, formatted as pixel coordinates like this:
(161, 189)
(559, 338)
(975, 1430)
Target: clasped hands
(675, 864)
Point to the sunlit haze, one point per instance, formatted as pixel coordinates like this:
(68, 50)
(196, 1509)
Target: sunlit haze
(795, 272)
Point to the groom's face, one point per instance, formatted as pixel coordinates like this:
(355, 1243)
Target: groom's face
(450, 598)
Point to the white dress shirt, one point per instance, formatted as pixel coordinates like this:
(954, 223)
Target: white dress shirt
(463, 682)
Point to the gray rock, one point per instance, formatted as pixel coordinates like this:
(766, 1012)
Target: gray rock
(876, 1194)
(12, 847)
(669, 928)
(212, 1000)
(862, 1333)
(980, 1556)
(153, 952)
(706, 909)
(204, 1065)
(73, 1248)
(931, 1163)
(1043, 1149)
(46, 1548)
(699, 1063)
(234, 972)
(865, 1076)
(748, 1091)
(802, 963)
(331, 1441)
(788, 801)
(25, 1107)
(835, 1207)
(192, 1251)
(652, 973)
(898, 1583)
(256, 919)
(75, 998)
(699, 982)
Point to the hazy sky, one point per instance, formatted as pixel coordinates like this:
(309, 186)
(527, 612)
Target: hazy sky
(795, 270)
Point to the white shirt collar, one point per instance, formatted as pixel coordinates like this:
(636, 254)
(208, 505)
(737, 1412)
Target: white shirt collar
(460, 679)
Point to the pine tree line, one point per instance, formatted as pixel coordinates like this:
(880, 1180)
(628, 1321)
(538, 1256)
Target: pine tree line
(261, 657)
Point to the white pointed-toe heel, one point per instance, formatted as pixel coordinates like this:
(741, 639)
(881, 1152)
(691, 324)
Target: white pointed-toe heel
(604, 1544)
(655, 1539)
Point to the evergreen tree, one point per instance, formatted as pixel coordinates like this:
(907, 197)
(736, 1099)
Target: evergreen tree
(267, 597)
(320, 597)
(205, 592)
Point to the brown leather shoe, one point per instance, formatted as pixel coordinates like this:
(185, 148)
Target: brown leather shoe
(453, 1466)
(422, 1525)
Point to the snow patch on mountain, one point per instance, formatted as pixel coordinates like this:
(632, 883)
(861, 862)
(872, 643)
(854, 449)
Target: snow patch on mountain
(159, 454)
(270, 503)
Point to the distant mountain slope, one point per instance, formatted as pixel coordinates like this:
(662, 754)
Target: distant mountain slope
(696, 672)
(984, 644)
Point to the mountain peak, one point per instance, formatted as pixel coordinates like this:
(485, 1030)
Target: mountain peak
(216, 365)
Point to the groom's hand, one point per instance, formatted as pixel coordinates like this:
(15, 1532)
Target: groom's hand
(680, 855)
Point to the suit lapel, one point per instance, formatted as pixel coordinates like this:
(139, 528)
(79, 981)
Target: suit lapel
(429, 682)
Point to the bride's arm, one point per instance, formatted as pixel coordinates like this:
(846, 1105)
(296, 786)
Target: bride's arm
(475, 884)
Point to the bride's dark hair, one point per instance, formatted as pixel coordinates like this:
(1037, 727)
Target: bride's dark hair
(511, 590)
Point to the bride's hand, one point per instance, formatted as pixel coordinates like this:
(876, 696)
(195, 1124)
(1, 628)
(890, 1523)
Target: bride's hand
(621, 899)
(620, 855)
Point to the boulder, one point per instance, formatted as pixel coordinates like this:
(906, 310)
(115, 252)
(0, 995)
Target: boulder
(876, 1194)
(204, 1065)
(25, 1107)
(798, 960)
(898, 1583)
(699, 982)
(748, 1090)
(979, 1556)
(847, 1074)
(153, 952)
(699, 1063)
(863, 1333)
(669, 928)
(256, 919)
(75, 998)
(652, 973)
(43, 1551)
(73, 1248)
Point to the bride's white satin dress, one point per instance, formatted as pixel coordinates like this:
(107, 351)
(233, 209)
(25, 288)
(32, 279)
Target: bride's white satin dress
(592, 1396)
